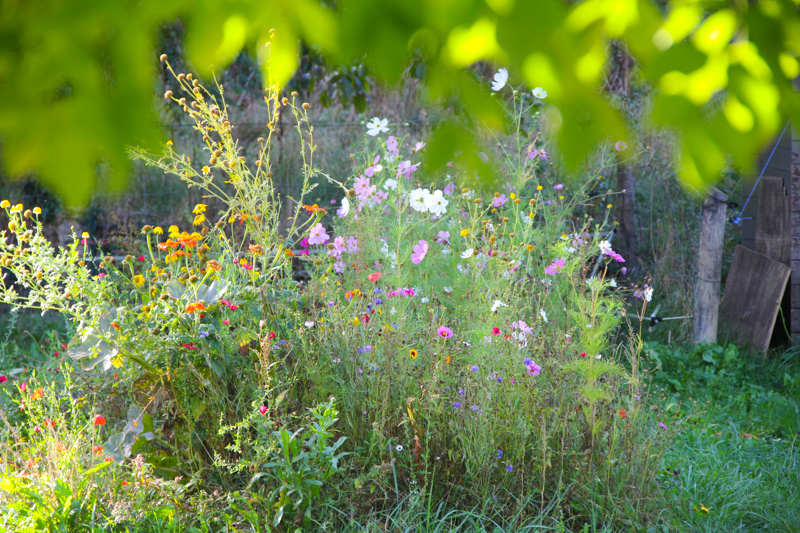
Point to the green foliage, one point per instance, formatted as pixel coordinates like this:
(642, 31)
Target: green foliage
(76, 85)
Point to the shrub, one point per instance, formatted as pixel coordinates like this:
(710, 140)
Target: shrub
(464, 330)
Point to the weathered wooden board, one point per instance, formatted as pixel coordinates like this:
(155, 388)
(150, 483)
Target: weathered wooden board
(773, 222)
(753, 293)
(709, 267)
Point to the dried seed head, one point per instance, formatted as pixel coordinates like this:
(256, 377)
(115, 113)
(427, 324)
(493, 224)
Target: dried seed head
(306, 106)
(505, 219)
(189, 76)
(182, 101)
(212, 161)
(168, 94)
(193, 279)
(285, 101)
(261, 139)
(27, 213)
(512, 235)
(195, 83)
(181, 76)
(217, 153)
(351, 193)
(128, 258)
(163, 57)
(294, 93)
(269, 174)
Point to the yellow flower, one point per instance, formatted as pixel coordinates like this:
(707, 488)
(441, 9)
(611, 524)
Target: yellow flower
(12, 226)
(138, 280)
(355, 321)
(412, 353)
(199, 219)
(4, 204)
(529, 247)
(206, 170)
(447, 360)
(564, 236)
(174, 229)
(530, 214)
(539, 188)
(199, 208)
(37, 210)
(84, 235)
(169, 143)
(609, 206)
(560, 197)
(512, 195)
(17, 208)
(158, 231)
(464, 232)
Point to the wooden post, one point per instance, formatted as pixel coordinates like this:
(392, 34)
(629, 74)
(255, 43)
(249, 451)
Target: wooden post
(709, 267)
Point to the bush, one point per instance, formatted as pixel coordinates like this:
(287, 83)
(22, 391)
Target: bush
(464, 333)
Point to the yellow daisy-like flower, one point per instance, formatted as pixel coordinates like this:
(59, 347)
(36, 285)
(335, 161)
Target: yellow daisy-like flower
(412, 353)
(4, 204)
(158, 230)
(512, 195)
(138, 280)
(84, 235)
(464, 232)
(539, 188)
(609, 206)
(37, 210)
(199, 219)
(356, 321)
(174, 229)
(529, 247)
(17, 208)
(530, 215)
(199, 208)
(564, 236)
(206, 170)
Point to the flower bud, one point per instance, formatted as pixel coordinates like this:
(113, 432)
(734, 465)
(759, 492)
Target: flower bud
(27, 213)
(168, 94)
(306, 106)
(163, 57)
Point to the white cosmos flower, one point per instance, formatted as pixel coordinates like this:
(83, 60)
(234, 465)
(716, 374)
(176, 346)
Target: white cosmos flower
(500, 79)
(345, 207)
(539, 93)
(448, 290)
(648, 293)
(612, 283)
(569, 250)
(376, 126)
(469, 252)
(446, 250)
(418, 199)
(436, 203)
(543, 315)
(605, 247)
(497, 305)
(424, 300)
(390, 184)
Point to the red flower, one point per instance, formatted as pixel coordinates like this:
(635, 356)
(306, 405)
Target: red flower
(141, 258)
(375, 276)
(495, 331)
(99, 420)
(125, 483)
(623, 413)
(63, 346)
(583, 354)
(271, 335)
(97, 449)
(262, 409)
(50, 424)
(189, 346)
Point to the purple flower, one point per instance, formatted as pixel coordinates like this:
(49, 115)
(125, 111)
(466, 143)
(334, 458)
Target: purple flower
(443, 237)
(527, 361)
(363, 188)
(474, 368)
(318, 235)
(352, 245)
(534, 369)
(457, 404)
(338, 246)
(614, 255)
(558, 186)
(204, 334)
(555, 266)
(662, 425)
(420, 250)
(405, 169)
(475, 408)
(445, 332)
(338, 267)
(449, 189)
(499, 201)
(499, 453)
(391, 145)
(461, 392)
(373, 167)
(509, 468)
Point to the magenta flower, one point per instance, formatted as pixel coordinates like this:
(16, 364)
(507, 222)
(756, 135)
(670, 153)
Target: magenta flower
(3, 379)
(555, 266)
(318, 235)
(558, 186)
(533, 369)
(339, 247)
(445, 332)
(614, 255)
(420, 250)
(262, 409)
(662, 425)
(448, 189)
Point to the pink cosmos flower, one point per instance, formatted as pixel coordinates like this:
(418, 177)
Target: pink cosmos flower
(449, 189)
(445, 332)
(499, 201)
(534, 369)
(318, 235)
(419, 146)
(373, 167)
(3, 379)
(443, 237)
(391, 145)
(555, 267)
(262, 409)
(352, 245)
(420, 250)
(614, 255)
(558, 186)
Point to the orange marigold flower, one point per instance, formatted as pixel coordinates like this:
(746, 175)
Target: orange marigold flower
(38, 393)
(169, 243)
(197, 306)
(314, 209)
(214, 265)
(289, 252)
(97, 449)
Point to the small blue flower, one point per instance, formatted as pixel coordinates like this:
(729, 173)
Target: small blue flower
(499, 379)
(461, 392)
(499, 453)
(378, 301)
(509, 468)
(475, 408)
(378, 291)
(330, 303)
(474, 368)
(527, 361)
(204, 334)
(457, 404)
